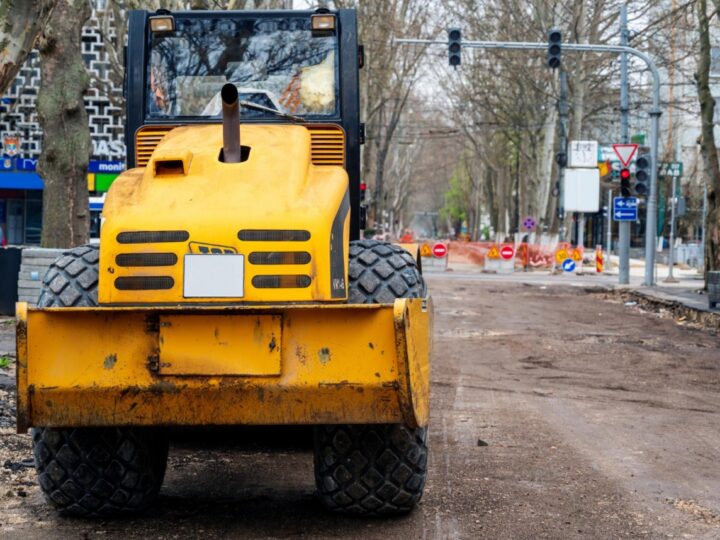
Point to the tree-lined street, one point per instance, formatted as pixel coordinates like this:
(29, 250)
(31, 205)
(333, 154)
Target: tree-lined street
(200, 198)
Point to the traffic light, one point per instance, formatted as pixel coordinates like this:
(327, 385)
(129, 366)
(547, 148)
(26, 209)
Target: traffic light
(642, 174)
(625, 182)
(454, 46)
(554, 48)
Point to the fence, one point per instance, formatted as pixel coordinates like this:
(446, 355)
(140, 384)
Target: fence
(545, 254)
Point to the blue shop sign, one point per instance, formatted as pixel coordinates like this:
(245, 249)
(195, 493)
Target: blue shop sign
(96, 166)
(6, 164)
(26, 164)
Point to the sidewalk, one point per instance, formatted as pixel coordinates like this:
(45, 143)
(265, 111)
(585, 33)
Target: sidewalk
(688, 290)
(693, 298)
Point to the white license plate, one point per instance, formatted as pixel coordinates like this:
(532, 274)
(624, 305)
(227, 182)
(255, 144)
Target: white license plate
(214, 276)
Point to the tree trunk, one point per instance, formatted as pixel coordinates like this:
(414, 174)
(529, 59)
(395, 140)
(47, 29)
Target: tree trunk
(545, 168)
(708, 148)
(20, 23)
(66, 142)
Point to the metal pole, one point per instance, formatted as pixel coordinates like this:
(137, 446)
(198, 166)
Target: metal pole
(704, 220)
(581, 238)
(563, 114)
(671, 252)
(608, 245)
(651, 219)
(624, 230)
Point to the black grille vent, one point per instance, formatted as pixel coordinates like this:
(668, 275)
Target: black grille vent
(281, 282)
(273, 235)
(279, 257)
(150, 237)
(146, 259)
(144, 283)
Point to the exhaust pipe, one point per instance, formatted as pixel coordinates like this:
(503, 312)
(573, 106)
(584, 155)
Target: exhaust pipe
(232, 152)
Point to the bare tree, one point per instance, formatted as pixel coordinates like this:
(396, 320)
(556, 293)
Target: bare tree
(708, 146)
(387, 80)
(66, 135)
(20, 23)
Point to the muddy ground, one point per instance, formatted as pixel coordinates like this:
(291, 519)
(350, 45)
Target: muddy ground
(556, 413)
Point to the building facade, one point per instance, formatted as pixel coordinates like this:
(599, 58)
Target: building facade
(21, 187)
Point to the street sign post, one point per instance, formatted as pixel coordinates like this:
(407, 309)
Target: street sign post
(671, 168)
(568, 265)
(507, 252)
(582, 190)
(625, 152)
(625, 209)
(583, 154)
(529, 223)
(439, 250)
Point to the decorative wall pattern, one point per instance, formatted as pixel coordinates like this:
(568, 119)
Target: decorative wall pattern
(17, 107)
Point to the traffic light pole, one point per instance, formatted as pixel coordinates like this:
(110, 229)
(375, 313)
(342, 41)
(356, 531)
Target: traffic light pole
(563, 114)
(624, 226)
(655, 112)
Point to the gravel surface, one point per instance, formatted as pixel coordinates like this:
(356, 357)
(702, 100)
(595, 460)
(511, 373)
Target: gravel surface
(556, 413)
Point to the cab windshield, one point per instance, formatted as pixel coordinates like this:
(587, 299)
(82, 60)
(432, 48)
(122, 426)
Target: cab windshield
(274, 62)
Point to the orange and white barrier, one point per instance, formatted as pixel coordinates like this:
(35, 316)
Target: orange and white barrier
(599, 259)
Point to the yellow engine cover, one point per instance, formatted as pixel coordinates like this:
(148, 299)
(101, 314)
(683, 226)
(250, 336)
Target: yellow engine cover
(189, 228)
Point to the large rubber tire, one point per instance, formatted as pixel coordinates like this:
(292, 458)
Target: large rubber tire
(93, 471)
(370, 470)
(88, 472)
(72, 279)
(374, 470)
(379, 273)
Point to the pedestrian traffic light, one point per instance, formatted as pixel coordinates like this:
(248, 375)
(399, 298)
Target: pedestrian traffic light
(642, 174)
(454, 46)
(554, 48)
(625, 182)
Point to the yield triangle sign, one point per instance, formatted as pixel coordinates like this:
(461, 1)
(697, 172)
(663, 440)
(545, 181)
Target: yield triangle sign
(625, 152)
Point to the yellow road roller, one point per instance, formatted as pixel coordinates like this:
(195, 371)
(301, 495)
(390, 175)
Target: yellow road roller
(230, 285)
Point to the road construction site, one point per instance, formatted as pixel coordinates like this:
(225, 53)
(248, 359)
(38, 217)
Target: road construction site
(558, 410)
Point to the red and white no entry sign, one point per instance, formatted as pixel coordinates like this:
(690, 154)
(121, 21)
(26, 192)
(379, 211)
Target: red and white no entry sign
(439, 250)
(507, 252)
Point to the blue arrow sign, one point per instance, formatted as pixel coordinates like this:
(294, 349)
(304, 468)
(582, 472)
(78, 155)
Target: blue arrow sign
(625, 215)
(568, 265)
(625, 208)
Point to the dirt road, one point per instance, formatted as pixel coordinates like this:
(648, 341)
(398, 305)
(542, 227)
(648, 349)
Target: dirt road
(556, 413)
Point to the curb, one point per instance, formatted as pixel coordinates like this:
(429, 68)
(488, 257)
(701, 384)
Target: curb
(704, 317)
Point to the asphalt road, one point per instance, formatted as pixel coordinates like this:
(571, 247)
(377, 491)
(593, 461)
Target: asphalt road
(556, 413)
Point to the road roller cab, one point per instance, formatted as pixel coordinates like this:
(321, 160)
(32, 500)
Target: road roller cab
(230, 285)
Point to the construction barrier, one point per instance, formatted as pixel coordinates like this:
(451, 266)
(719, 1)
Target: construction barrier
(525, 256)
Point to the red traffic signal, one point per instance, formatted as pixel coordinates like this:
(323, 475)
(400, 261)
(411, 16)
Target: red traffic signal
(625, 182)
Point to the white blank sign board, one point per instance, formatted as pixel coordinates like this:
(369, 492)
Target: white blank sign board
(213, 276)
(583, 154)
(582, 190)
